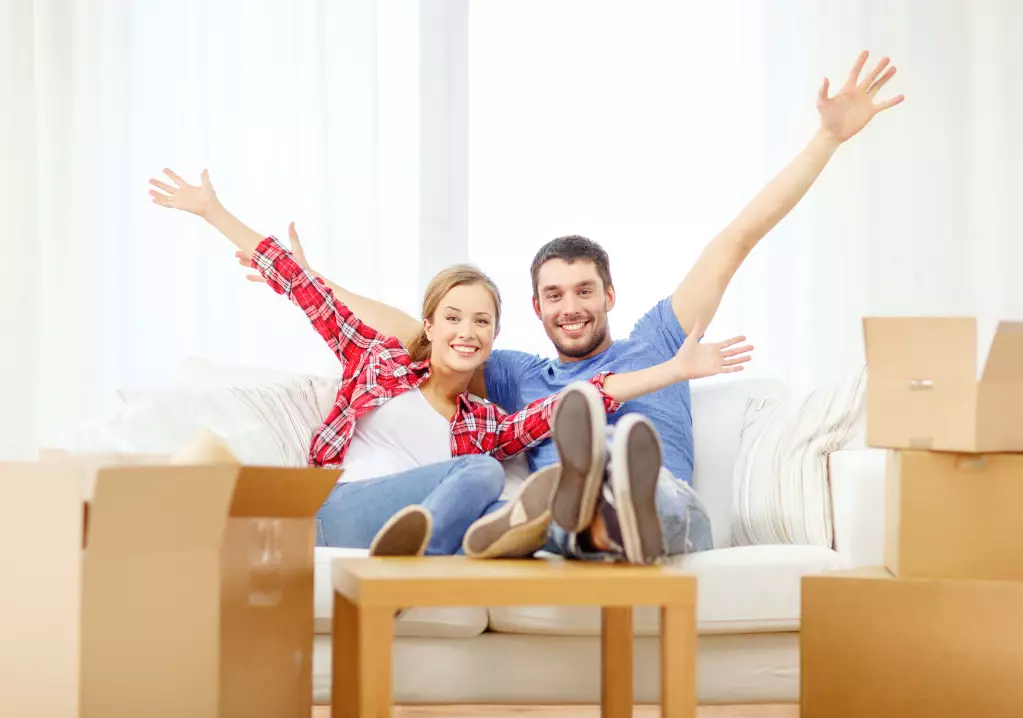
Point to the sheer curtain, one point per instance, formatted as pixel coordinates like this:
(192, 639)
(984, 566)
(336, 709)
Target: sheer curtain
(302, 111)
(648, 124)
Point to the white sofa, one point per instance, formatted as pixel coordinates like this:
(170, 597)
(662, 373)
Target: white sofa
(748, 600)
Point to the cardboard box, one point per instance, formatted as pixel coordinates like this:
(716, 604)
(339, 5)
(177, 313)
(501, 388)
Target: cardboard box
(198, 591)
(41, 566)
(873, 645)
(922, 387)
(954, 515)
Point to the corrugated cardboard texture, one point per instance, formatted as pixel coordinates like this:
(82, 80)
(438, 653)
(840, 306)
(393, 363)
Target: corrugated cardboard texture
(40, 562)
(923, 390)
(954, 515)
(873, 645)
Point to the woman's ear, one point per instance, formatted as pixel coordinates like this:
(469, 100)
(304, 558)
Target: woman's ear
(428, 329)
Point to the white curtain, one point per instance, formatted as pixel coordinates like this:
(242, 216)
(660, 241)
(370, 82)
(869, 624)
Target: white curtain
(646, 125)
(301, 111)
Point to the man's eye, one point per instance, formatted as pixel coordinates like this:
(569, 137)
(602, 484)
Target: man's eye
(553, 297)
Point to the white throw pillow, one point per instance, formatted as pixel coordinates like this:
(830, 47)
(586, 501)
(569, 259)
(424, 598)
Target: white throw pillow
(780, 484)
(267, 425)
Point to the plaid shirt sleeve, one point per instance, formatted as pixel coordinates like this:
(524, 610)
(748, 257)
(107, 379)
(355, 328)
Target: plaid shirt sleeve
(488, 430)
(350, 339)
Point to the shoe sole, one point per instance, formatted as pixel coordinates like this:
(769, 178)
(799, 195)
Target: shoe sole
(518, 529)
(635, 468)
(578, 427)
(407, 533)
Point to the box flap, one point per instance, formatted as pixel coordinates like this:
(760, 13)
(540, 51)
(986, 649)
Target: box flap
(1005, 361)
(141, 509)
(921, 348)
(274, 492)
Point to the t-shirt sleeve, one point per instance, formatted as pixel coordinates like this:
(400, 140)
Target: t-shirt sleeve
(504, 373)
(660, 328)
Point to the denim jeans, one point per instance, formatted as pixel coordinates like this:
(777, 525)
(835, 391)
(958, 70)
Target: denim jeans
(456, 492)
(684, 523)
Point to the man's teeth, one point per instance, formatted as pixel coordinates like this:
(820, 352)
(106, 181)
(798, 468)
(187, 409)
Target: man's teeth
(572, 327)
(465, 350)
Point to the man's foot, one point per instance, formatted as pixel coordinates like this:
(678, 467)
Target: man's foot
(407, 533)
(635, 465)
(519, 528)
(578, 427)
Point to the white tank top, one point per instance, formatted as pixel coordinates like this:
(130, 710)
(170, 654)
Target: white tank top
(405, 433)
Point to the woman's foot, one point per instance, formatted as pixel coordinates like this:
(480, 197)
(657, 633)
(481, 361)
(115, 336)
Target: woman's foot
(407, 533)
(578, 429)
(519, 528)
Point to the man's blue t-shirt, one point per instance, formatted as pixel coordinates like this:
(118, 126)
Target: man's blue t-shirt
(515, 378)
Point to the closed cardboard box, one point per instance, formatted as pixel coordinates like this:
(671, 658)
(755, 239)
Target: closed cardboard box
(41, 566)
(923, 390)
(884, 647)
(954, 515)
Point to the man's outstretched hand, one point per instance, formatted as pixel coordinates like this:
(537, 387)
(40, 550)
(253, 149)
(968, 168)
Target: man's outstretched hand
(695, 359)
(847, 112)
(296, 250)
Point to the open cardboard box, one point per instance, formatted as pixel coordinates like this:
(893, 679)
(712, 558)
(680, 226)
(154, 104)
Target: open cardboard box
(196, 591)
(923, 390)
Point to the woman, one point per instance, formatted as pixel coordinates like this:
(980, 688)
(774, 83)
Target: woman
(420, 454)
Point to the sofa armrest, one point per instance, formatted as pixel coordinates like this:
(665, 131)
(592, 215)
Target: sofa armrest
(856, 477)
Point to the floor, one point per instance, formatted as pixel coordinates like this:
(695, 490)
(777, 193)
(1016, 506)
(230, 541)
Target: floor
(763, 711)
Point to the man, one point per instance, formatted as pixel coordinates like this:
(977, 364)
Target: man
(572, 295)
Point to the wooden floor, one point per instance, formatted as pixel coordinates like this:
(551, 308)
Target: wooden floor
(765, 711)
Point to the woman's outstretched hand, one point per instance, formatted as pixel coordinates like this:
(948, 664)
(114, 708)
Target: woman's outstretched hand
(198, 199)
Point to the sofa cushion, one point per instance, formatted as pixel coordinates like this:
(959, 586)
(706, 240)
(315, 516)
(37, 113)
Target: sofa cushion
(436, 622)
(719, 408)
(748, 589)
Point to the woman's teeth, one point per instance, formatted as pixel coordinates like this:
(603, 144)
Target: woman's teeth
(465, 350)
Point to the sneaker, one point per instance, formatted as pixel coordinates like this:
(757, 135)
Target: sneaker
(407, 533)
(633, 470)
(519, 528)
(577, 428)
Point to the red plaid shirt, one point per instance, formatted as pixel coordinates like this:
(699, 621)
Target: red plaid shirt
(376, 368)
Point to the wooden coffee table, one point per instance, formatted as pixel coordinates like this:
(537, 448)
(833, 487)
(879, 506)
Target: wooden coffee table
(367, 591)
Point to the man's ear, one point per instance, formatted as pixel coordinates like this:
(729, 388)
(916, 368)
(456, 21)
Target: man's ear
(536, 308)
(609, 298)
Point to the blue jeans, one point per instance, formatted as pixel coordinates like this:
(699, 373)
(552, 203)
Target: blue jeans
(684, 523)
(456, 492)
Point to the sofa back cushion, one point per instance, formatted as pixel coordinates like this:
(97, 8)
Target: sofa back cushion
(719, 409)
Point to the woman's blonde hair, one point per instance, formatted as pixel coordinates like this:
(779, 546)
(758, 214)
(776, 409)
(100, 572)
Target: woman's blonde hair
(446, 280)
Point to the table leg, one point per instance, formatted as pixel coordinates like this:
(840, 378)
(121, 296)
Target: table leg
(344, 672)
(616, 662)
(362, 660)
(678, 661)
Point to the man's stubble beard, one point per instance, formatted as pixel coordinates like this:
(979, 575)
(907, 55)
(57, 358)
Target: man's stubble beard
(599, 337)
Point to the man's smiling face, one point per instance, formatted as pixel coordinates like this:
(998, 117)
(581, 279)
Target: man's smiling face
(572, 302)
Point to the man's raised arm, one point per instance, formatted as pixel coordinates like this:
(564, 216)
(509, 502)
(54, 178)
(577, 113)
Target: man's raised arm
(843, 115)
(386, 319)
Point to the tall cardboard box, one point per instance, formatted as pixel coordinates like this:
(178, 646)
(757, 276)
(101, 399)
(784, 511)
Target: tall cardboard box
(874, 645)
(198, 591)
(41, 569)
(955, 516)
(923, 390)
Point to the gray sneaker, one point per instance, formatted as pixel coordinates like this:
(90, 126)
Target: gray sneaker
(578, 430)
(633, 470)
(519, 528)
